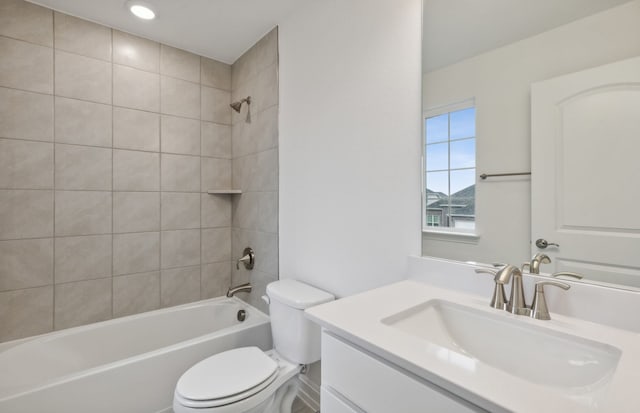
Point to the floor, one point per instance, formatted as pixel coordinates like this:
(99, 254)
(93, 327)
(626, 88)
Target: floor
(300, 407)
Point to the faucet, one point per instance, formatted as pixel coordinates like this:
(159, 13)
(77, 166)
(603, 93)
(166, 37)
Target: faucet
(516, 304)
(239, 288)
(534, 265)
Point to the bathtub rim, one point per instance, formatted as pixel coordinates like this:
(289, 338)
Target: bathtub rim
(259, 319)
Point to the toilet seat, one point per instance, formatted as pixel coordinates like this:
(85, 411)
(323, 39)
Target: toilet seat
(252, 372)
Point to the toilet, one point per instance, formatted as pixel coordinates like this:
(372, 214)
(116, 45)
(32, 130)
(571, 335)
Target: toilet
(249, 380)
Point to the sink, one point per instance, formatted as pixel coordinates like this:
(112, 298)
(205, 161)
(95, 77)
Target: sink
(533, 353)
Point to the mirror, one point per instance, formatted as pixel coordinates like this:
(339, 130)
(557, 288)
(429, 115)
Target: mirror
(487, 57)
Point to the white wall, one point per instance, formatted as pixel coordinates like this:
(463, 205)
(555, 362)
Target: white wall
(350, 105)
(500, 81)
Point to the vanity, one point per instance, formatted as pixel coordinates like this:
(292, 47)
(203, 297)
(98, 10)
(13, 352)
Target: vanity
(432, 343)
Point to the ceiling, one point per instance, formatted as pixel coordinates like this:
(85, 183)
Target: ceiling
(220, 29)
(454, 30)
(224, 29)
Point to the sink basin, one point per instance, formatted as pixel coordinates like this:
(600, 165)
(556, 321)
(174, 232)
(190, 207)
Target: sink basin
(533, 353)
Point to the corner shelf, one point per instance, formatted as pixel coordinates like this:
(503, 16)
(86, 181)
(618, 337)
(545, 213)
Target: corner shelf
(224, 191)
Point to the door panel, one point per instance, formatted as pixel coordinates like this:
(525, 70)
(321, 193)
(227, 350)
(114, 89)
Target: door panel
(586, 171)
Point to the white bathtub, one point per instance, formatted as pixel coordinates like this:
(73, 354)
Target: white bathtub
(129, 364)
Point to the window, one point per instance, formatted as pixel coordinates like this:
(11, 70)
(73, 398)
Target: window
(450, 169)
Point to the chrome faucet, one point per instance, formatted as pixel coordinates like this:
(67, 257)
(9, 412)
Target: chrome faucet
(516, 303)
(239, 288)
(534, 264)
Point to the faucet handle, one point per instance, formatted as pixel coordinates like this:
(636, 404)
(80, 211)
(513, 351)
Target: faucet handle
(526, 265)
(499, 298)
(486, 271)
(539, 309)
(567, 274)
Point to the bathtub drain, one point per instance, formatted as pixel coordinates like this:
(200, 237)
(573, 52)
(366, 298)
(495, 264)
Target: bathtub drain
(242, 315)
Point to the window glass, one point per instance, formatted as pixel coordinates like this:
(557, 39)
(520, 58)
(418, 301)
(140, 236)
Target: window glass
(437, 128)
(450, 174)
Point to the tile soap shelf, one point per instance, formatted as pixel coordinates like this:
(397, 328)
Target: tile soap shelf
(224, 191)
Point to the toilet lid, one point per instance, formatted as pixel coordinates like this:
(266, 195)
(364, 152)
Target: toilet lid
(226, 374)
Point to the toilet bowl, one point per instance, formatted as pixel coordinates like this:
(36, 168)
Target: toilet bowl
(242, 380)
(249, 380)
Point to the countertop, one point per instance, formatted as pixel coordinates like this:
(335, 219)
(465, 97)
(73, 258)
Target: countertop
(358, 319)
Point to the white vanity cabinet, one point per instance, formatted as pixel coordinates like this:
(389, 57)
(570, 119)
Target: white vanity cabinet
(357, 382)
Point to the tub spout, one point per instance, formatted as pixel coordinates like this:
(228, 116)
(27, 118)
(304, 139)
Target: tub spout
(239, 288)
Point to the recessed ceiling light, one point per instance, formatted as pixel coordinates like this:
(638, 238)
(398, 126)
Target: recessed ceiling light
(141, 10)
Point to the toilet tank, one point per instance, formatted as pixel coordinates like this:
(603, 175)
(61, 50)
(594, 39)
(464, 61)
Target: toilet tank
(295, 337)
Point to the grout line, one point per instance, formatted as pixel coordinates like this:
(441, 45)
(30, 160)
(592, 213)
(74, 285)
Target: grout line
(112, 181)
(53, 44)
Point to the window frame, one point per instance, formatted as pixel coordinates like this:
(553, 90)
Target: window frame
(430, 113)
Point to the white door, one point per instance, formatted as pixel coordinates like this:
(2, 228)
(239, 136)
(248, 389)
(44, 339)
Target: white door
(586, 172)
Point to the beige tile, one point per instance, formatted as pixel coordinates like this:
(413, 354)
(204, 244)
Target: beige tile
(139, 252)
(179, 97)
(216, 245)
(268, 212)
(215, 74)
(26, 214)
(82, 213)
(243, 69)
(26, 263)
(267, 171)
(180, 135)
(180, 286)
(134, 51)
(26, 21)
(215, 105)
(267, 245)
(180, 248)
(25, 313)
(267, 88)
(82, 302)
(82, 258)
(266, 130)
(83, 167)
(83, 77)
(216, 174)
(137, 293)
(179, 63)
(136, 211)
(136, 89)
(82, 122)
(245, 172)
(266, 50)
(180, 173)
(180, 210)
(242, 138)
(215, 211)
(215, 279)
(26, 66)
(245, 210)
(136, 129)
(25, 164)
(25, 115)
(136, 171)
(216, 140)
(82, 37)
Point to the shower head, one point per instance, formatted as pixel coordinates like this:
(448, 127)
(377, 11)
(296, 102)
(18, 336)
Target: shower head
(237, 105)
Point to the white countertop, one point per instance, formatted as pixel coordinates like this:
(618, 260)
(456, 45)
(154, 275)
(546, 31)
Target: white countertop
(358, 319)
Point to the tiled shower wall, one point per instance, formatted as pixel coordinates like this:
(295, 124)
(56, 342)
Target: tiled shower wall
(108, 144)
(255, 165)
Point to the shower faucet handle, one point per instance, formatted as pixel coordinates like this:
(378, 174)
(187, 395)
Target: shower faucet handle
(248, 259)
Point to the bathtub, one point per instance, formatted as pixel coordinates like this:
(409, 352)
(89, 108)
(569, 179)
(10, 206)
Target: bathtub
(129, 364)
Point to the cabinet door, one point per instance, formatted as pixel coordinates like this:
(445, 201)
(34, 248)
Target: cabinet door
(332, 403)
(377, 387)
